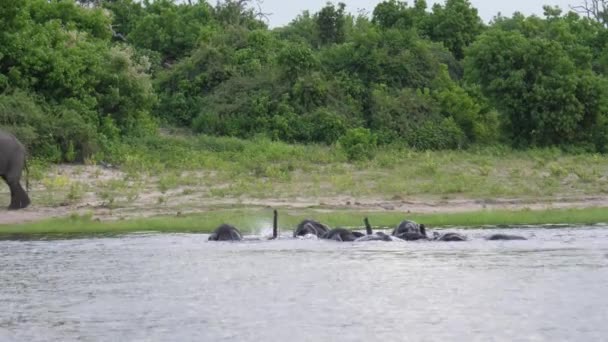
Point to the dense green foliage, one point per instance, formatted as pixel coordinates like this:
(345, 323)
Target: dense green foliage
(540, 75)
(78, 79)
(65, 83)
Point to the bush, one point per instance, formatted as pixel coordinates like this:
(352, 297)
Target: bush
(21, 115)
(396, 115)
(358, 144)
(438, 136)
(325, 126)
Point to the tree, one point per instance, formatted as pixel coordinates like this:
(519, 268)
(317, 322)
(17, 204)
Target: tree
(125, 15)
(297, 60)
(330, 21)
(59, 54)
(303, 29)
(547, 97)
(594, 9)
(247, 13)
(169, 28)
(397, 14)
(392, 13)
(456, 25)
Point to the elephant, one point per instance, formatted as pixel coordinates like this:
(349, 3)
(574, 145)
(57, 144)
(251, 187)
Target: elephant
(378, 236)
(12, 163)
(226, 232)
(371, 236)
(414, 236)
(495, 237)
(310, 227)
(406, 226)
(450, 237)
(410, 231)
(342, 234)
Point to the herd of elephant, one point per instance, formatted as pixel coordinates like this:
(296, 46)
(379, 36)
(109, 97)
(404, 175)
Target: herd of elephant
(406, 231)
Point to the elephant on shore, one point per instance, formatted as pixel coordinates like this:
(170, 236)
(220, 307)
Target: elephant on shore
(12, 163)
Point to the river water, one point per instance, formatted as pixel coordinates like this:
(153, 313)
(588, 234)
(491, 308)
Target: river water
(179, 287)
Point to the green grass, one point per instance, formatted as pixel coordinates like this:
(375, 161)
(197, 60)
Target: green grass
(260, 168)
(253, 220)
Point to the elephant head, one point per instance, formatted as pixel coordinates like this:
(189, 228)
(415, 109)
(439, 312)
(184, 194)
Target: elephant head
(226, 232)
(310, 227)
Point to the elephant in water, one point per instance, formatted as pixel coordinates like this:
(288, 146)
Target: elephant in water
(378, 236)
(226, 232)
(407, 226)
(310, 227)
(451, 237)
(495, 237)
(410, 231)
(342, 234)
(12, 163)
(371, 236)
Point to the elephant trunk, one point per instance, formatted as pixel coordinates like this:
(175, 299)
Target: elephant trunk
(368, 227)
(275, 225)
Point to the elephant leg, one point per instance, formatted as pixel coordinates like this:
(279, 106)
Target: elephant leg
(6, 181)
(19, 198)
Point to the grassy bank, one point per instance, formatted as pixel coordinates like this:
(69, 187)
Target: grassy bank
(196, 169)
(259, 221)
(201, 174)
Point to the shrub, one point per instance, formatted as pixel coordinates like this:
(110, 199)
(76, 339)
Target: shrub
(358, 144)
(438, 136)
(325, 126)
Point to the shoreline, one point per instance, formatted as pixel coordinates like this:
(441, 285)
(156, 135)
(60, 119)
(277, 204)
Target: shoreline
(97, 199)
(258, 221)
(406, 206)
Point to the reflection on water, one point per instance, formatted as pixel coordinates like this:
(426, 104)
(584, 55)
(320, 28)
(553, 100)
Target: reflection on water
(182, 288)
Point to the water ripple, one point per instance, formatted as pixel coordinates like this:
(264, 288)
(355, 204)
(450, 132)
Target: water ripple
(180, 287)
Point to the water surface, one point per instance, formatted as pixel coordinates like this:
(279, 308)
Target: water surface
(179, 287)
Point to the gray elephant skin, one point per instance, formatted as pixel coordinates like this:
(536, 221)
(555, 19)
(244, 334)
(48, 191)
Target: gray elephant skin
(12, 163)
